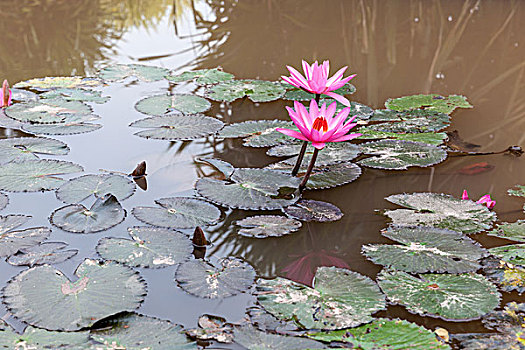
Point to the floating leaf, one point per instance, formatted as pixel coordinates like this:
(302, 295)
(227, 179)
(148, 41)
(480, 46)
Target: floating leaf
(162, 104)
(431, 102)
(103, 214)
(224, 167)
(48, 83)
(399, 155)
(462, 297)
(339, 299)
(117, 72)
(519, 191)
(296, 94)
(212, 327)
(332, 153)
(148, 247)
(177, 127)
(358, 110)
(9, 123)
(333, 176)
(512, 253)
(440, 210)
(200, 278)
(45, 253)
(259, 133)
(509, 277)
(414, 122)
(311, 210)
(263, 226)
(426, 249)
(78, 189)
(47, 111)
(14, 241)
(20, 95)
(256, 90)
(514, 231)
(76, 95)
(35, 175)
(34, 338)
(178, 212)
(253, 339)
(265, 321)
(386, 115)
(102, 289)
(72, 124)
(4, 201)
(202, 76)
(431, 138)
(24, 148)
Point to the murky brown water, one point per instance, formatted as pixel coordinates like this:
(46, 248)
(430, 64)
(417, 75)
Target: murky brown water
(397, 48)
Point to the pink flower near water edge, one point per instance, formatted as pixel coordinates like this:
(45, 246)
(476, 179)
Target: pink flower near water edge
(318, 125)
(316, 80)
(483, 200)
(5, 95)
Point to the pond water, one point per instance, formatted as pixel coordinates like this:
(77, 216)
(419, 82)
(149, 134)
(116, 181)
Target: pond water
(396, 48)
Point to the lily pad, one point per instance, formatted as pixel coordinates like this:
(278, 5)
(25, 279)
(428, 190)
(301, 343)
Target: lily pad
(47, 111)
(117, 72)
(47, 83)
(4, 201)
(70, 94)
(251, 189)
(508, 277)
(20, 95)
(24, 148)
(103, 214)
(339, 299)
(45, 253)
(518, 191)
(312, 210)
(332, 153)
(440, 210)
(148, 247)
(72, 125)
(224, 167)
(212, 327)
(512, 253)
(177, 127)
(78, 189)
(296, 94)
(431, 102)
(266, 322)
(399, 155)
(200, 278)
(102, 289)
(259, 133)
(162, 104)
(35, 175)
(253, 339)
(515, 231)
(462, 297)
(431, 138)
(414, 122)
(14, 241)
(332, 176)
(358, 110)
(263, 226)
(426, 249)
(202, 76)
(256, 90)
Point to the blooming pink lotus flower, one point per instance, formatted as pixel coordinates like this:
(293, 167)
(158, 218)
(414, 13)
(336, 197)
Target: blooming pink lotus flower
(317, 81)
(319, 126)
(5, 95)
(483, 200)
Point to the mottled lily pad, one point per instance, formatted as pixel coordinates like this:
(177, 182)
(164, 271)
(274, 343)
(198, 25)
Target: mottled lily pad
(518, 191)
(162, 104)
(202, 76)
(200, 278)
(45, 253)
(515, 231)
(35, 175)
(259, 133)
(20, 95)
(431, 102)
(102, 289)
(332, 176)
(212, 327)
(78, 189)
(177, 127)
(339, 299)
(4, 201)
(460, 297)
(25, 148)
(76, 95)
(103, 214)
(47, 111)
(72, 125)
(312, 210)
(431, 138)
(508, 277)
(117, 72)
(14, 241)
(440, 210)
(224, 167)
(414, 122)
(256, 90)
(399, 155)
(262, 226)
(332, 153)
(512, 253)
(426, 249)
(253, 339)
(296, 94)
(358, 110)
(48, 83)
(148, 247)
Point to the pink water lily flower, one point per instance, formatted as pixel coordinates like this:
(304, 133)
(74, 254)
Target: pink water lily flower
(316, 80)
(319, 125)
(5, 95)
(483, 200)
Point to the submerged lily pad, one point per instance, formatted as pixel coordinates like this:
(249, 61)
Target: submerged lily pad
(440, 210)
(78, 189)
(24, 148)
(117, 72)
(431, 102)
(45, 253)
(224, 167)
(72, 125)
(253, 339)
(512, 253)
(312, 210)
(332, 153)
(148, 247)
(177, 127)
(200, 278)
(514, 231)
(47, 110)
(48, 83)
(256, 90)
(426, 249)
(259, 133)
(431, 138)
(70, 94)
(103, 214)
(14, 241)
(202, 76)
(262, 226)
(4, 201)
(462, 297)
(296, 94)
(212, 327)
(35, 175)
(339, 299)
(162, 104)
(102, 289)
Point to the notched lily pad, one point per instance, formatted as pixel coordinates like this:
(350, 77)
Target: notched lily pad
(515, 231)
(25, 148)
(312, 210)
(70, 94)
(78, 189)
(47, 111)
(45, 253)
(177, 127)
(259, 133)
(253, 339)
(332, 153)
(512, 253)
(14, 241)
(117, 72)
(71, 125)
(202, 76)
(418, 121)
(296, 94)
(212, 327)
(431, 138)
(256, 90)
(224, 167)
(47, 83)
(159, 105)
(263, 226)
(431, 102)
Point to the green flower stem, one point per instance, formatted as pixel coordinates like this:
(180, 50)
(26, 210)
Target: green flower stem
(308, 171)
(300, 157)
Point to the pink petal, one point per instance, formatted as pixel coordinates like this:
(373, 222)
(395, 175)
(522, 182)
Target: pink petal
(307, 70)
(336, 77)
(339, 98)
(297, 76)
(292, 81)
(465, 195)
(318, 145)
(326, 69)
(292, 133)
(346, 137)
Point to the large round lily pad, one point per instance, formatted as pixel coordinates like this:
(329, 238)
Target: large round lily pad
(44, 253)
(312, 210)
(71, 125)
(262, 226)
(48, 83)
(334, 175)
(117, 72)
(259, 133)
(202, 76)
(47, 110)
(14, 241)
(253, 339)
(332, 153)
(162, 104)
(339, 299)
(71, 94)
(431, 102)
(24, 148)
(78, 189)
(200, 278)
(460, 297)
(256, 90)
(102, 289)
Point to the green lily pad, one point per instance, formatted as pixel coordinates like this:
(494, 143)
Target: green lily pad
(78, 189)
(224, 167)
(8, 123)
(512, 253)
(35, 175)
(296, 94)
(251, 189)
(70, 94)
(148, 247)
(508, 277)
(133, 331)
(332, 153)
(103, 214)
(212, 327)
(200, 278)
(462, 297)
(259, 133)
(519, 191)
(162, 104)
(117, 72)
(431, 102)
(14, 241)
(202, 76)
(339, 299)
(386, 115)
(47, 83)
(515, 231)
(399, 155)
(431, 138)
(102, 289)
(266, 322)
(253, 339)
(440, 210)
(72, 125)
(384, 334)
(263, 226)
(4, 201)
(256, 90)
(178, 212)
(312, 210)
(414, 122)
(426, 249)
(358, 110)
(24, 148)
(45, 253)
(177, 127)
(20, 95)
(47, 111)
